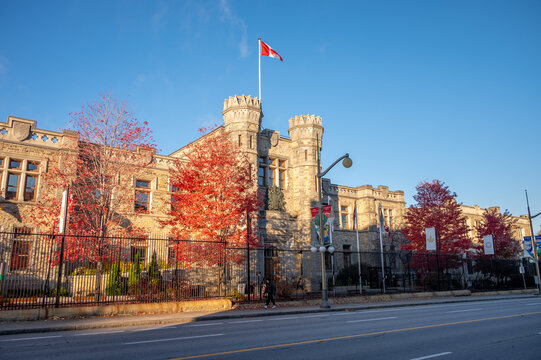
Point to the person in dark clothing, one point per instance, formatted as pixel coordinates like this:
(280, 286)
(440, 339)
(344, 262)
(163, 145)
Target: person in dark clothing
(270, 292)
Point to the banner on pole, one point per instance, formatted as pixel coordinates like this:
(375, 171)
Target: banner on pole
(527, 244)
(488, 244)
(326, 210)
(430, 238)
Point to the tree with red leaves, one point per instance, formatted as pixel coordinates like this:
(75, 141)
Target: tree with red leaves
(98, 168)
(436, 207)
(214, 191)
(500, 226)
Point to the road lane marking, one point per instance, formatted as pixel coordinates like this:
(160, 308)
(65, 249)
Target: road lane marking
(207, 324)
(313, 316)
(245, 321)
(456, 311)
(284, 318)
(172, 339)
(385, 318)
(33, 338)
(432, 356)
(307, 342)
(100, 333)
(532, 304)
(154, 328)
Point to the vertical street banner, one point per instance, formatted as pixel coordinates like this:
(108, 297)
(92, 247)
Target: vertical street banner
(430, 238)
(326, 210)
(527, 245)
(488, 244)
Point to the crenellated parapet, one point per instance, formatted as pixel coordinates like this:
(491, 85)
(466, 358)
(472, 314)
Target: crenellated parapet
(305, 127)
(239, 110)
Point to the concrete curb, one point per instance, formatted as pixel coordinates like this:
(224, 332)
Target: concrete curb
(121, 309)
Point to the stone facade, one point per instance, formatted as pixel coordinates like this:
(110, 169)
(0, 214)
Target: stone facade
(288, 162)
(474, 216)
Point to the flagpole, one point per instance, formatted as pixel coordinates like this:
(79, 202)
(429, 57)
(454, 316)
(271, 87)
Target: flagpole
(259, 56)
(381, 245)
(358, 250)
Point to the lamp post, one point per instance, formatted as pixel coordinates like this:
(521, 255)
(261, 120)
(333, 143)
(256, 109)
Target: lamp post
(324, 291)
(534, 243)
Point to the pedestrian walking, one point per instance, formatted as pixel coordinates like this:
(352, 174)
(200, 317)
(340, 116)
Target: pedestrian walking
(270, 293)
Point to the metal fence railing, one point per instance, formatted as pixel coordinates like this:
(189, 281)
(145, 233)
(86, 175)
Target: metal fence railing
(40, 270)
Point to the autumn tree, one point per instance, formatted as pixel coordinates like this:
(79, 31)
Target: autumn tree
(500, 226)
(214, 191)
(110, 148)
(436, 207)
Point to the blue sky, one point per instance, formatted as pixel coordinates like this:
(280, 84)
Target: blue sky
(413, 90)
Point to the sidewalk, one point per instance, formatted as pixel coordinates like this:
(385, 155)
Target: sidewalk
(243, 311)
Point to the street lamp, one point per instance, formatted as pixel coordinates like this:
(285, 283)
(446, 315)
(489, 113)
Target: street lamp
(534, 243)
(324, 291)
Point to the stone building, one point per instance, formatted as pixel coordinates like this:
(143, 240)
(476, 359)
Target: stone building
(288, 163)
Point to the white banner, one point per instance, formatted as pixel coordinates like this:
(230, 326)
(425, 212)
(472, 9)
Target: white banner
(430, 238)
(488, 244)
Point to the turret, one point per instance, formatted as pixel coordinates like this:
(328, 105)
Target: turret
(242, 118)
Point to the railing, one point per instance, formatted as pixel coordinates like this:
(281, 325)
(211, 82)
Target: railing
(40, 270)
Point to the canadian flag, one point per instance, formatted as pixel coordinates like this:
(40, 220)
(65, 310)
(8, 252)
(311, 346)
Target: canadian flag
(266, 50)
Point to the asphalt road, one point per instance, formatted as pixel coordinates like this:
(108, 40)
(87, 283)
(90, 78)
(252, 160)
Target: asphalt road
(501, 329)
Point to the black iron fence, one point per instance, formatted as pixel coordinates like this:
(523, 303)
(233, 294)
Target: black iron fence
(40, 270)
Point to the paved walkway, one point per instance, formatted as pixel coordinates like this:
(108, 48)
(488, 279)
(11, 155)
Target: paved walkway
(252, 310)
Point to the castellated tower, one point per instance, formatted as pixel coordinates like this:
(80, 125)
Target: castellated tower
(304, 130)
(242, 118)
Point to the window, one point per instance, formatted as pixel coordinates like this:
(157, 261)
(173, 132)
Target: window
(272, 172)
(347, 254)
(139, 250)
(344, 216)
(21, 180)
(173, 252)
(174, 189)
(142, 195)
(262, 171)
(22, 245)
(12, 186)
(328, 261)
(20, 255)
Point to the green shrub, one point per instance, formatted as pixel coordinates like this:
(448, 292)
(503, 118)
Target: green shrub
(153, 274)
(234, 295)
(134, 275)
(115, 283)
(63, 292)
(348, 276)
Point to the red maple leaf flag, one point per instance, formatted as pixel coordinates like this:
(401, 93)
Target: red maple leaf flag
(266, 50)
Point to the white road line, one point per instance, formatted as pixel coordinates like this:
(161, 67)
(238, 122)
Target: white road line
(313, 316)
(455, 311)
(99, 333)
(532, 304)
(385, 318)
(432, 356)
(342, 313)
(33, 338)
(155, 328)
(244, 321)
(207, 324)
(284, 318)
(171, 339)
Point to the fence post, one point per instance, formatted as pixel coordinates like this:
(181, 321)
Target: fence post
(59, 278)
(248, 252)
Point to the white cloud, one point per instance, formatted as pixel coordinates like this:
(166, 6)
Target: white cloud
(236, 22)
